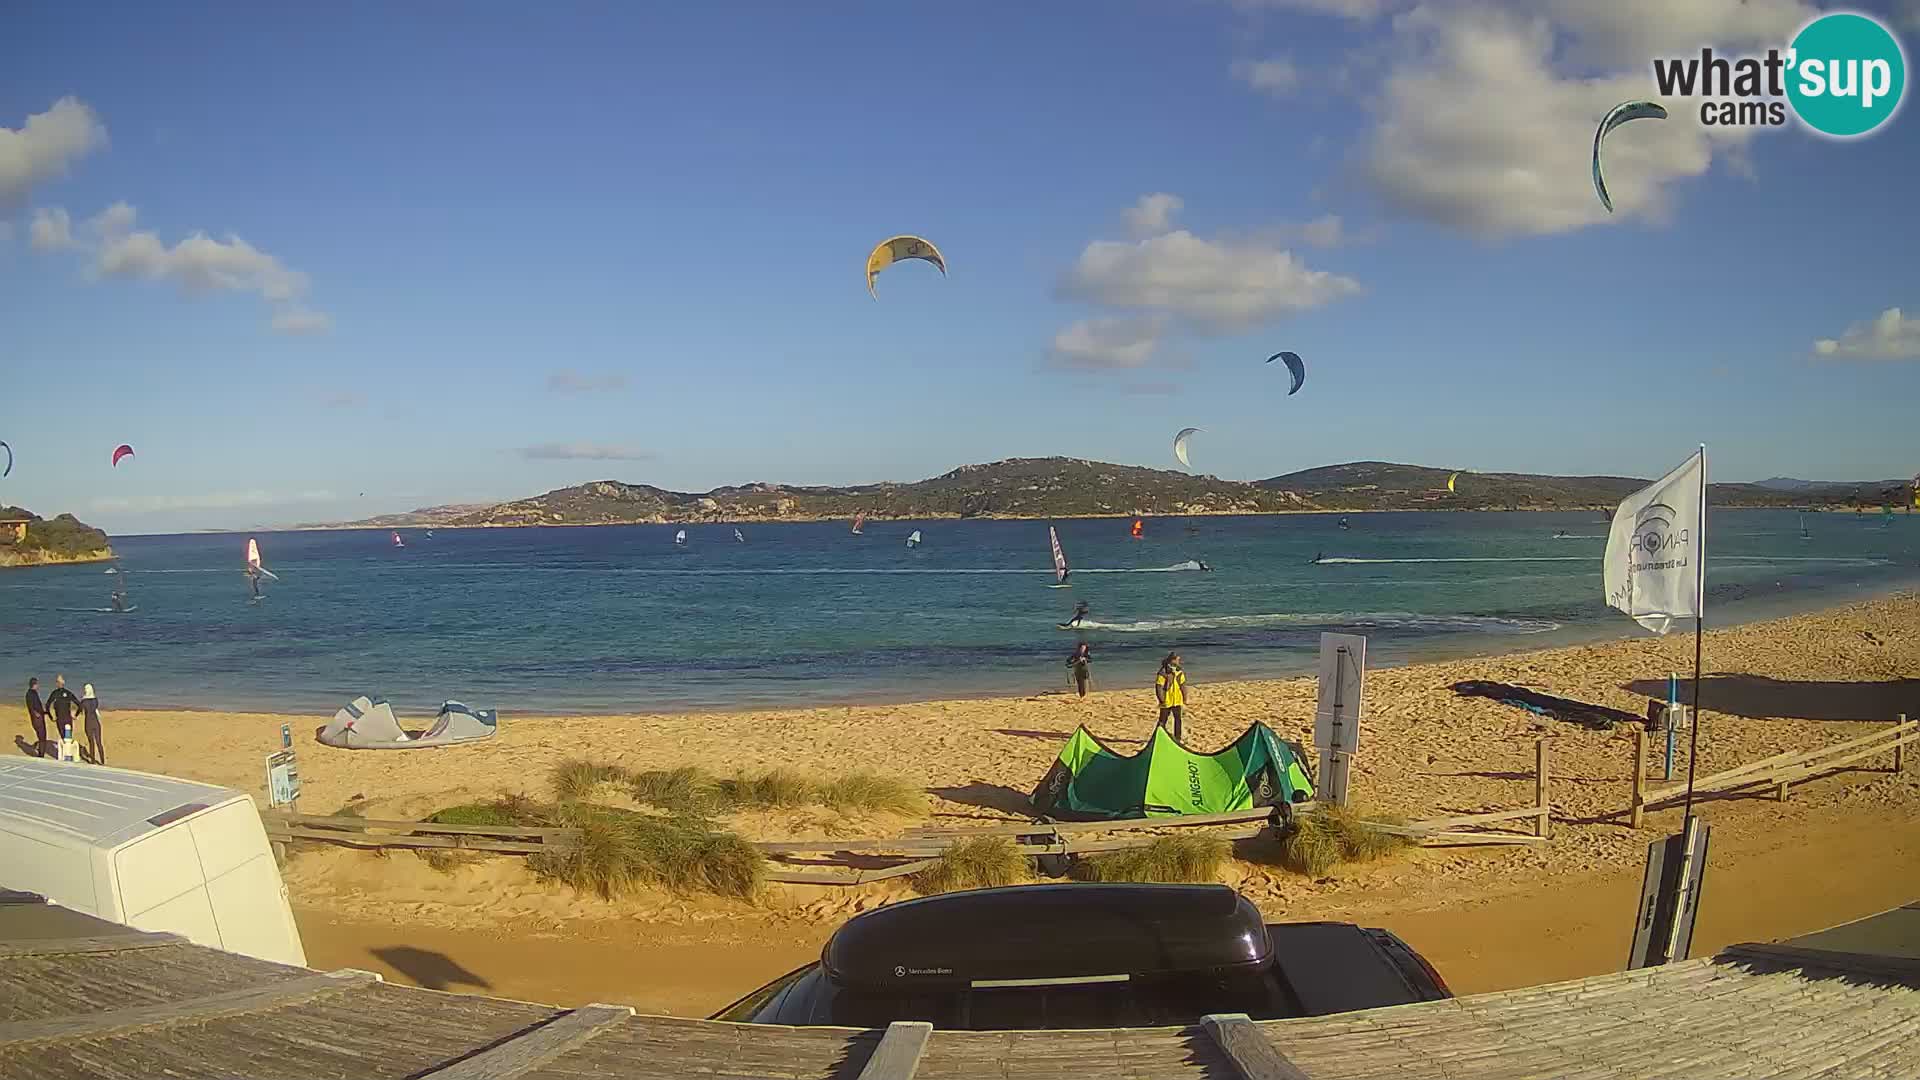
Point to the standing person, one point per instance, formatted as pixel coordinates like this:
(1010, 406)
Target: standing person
(1170, 686)
(1080, 667)
(1080, 611)
(37, 716)
(63, 705)
(90, 708)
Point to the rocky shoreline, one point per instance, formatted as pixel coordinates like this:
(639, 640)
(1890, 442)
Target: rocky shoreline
(10, 558)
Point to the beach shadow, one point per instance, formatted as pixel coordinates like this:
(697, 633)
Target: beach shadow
(988, 797)
(1018, 733)
(1760, 697)
(1584, 713)
(26, 747)
(435, 971)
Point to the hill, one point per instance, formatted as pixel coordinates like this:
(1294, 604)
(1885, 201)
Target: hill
(426, 515)
(64, 539)
(1016, 488)
(1382, 485)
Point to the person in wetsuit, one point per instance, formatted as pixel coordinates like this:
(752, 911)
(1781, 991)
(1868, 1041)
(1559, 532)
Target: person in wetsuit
(63, 705)
(1080, 667)
(1080, 611)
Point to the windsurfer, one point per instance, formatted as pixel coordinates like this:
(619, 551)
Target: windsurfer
(1080, 611)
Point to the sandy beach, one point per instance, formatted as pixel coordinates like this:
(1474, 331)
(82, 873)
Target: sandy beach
(1490, 916)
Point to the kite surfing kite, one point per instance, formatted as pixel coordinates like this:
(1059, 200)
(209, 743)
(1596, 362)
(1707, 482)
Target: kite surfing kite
(894, 249)
(122, 451)
(9, 450)
(1295, 366)
(1180, 445)
(1451, 479)
(1619, 114)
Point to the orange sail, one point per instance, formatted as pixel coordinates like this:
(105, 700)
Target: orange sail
(1138, 527)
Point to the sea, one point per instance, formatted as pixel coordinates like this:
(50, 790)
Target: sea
(621, 619)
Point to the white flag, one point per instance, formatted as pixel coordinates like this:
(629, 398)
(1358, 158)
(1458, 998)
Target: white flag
(1657, 547)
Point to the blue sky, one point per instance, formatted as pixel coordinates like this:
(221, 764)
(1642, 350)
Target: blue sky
(478, 247)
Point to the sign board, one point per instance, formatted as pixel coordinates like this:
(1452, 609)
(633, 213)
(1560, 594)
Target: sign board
(1343, 673)
(283, 778)
(1670, 897)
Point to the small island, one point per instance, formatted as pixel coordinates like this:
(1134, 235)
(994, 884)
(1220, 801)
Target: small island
(27, 539)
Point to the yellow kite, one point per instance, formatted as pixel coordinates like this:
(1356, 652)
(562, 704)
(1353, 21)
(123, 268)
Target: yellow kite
(896, 248)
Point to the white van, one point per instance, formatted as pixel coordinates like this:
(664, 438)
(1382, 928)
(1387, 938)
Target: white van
(148, 851)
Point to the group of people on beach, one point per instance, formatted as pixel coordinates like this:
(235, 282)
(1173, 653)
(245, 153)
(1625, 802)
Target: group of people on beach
(60, 709)
(1169, 683)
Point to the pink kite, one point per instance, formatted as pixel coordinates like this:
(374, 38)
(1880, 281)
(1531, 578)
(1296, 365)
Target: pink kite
(122, 451)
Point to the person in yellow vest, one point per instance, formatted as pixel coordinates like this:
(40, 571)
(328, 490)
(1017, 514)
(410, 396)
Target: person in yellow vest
(1170, 686)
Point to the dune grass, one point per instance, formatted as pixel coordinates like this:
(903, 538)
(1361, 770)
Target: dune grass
(1175, 859)
(690, 789)
(980, 863)
(619, 850)
(1316, 842)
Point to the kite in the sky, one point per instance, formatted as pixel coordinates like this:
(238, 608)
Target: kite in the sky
(122, 451)
(9, 450)
(894, 249)
(1619, 114)
(1451, 479)
(1180, 445)
(1295, 366)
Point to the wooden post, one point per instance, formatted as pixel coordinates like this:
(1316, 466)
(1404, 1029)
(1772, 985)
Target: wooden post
(1899, 749)
(1638, 811)
(1542, 825)
(1780, 791)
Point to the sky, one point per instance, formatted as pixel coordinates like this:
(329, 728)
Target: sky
(347, 259)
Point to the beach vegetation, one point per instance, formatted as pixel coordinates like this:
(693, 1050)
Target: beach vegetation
(1315, 842)
(59, 539)
(980, 863)
(1183, 858)
(619, 850)
(689, 789)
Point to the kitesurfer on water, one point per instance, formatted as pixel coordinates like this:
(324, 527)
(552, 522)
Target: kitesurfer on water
(1205, 567)
(1080, 611)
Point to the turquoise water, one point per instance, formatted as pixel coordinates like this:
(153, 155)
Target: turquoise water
(617, 618)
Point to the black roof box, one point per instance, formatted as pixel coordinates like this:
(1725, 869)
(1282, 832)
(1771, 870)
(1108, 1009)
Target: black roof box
(1038, 934)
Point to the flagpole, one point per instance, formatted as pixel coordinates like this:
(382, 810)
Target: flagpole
(1699, 615)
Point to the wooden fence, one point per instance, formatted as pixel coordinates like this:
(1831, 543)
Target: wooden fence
(919, 849)
(1780, 771)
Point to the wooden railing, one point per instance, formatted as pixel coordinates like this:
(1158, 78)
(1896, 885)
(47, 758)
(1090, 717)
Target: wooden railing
(1779, 771)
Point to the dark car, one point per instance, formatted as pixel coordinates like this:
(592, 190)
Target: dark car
(1087, 956)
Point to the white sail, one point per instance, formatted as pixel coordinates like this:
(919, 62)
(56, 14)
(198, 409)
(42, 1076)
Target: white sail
(737, 536)
(914, 539)
(859, 519)
(680, 537)
(1059, 557)
(253, 553)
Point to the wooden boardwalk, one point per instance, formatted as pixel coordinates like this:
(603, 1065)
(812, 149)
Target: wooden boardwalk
(85, 999)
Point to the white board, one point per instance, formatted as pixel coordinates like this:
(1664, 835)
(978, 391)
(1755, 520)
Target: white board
(1343, 672)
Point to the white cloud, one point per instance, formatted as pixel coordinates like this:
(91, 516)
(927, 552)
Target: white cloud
(1218, 285)
(1891, 336)
(297, 320)
(1277, 76)
(115, 220)
(581, 451)
(1323, 231)
(1630, 33)
(50, 230)
(218, 500)
(1152, 215)
(201, 263)
(574, 382)
(1477, 129)
(43, 148)
(1349, 9)
(1126, 342)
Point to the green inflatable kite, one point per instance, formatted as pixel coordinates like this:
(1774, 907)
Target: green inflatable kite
(1090, 780)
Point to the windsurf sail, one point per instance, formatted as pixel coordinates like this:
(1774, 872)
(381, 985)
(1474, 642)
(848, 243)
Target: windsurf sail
(738, 537)
(859, 520)
(680, 537)
(1804, 534)
(1138, 527)
(1059, 557)
(397, 542)
(253, 562)
(914, 540)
